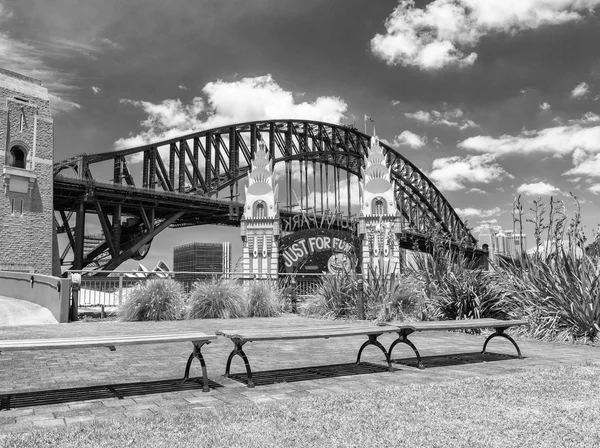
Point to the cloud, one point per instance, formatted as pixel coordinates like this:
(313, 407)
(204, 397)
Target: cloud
(595, 188)
(538, 188)
(453, 118)
(585, 165)
(559, 140)
(587, 118)
(248, 99)
(395, 102)
(452, 173)
(471, 212)
(59, 104)
(476, 190)
(96, 90)
(580, 90)
(444, 32)
(408, 138)
(488, 221)
(545, 106)
(182, 87)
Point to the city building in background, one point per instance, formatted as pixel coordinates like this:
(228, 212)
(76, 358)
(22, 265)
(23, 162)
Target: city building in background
(498, 242)
(204, 258)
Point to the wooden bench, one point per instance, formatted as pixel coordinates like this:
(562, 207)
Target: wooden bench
(196, 338)
(404, 329)
(241, 337)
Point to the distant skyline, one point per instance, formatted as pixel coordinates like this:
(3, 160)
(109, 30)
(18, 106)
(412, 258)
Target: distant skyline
(491, 99)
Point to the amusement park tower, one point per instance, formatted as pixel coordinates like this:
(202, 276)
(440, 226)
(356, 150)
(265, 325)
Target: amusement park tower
(379, 222)
(260, 222)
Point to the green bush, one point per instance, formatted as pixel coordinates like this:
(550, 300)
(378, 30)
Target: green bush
(264, 299)
(334, 297)
(160, 299)
(391, 296)
(216, 299)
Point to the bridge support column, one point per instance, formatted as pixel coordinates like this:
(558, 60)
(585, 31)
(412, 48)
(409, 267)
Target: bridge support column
(79, 236)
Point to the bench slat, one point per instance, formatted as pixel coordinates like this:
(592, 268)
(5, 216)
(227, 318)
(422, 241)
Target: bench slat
(467, 324)
(63, 343)
(301, 333)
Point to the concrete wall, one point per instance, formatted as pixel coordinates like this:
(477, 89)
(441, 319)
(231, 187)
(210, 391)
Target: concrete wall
(50, 292)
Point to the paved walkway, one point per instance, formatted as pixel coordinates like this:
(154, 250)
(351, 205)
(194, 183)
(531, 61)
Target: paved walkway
(60, 388)
(20, 312)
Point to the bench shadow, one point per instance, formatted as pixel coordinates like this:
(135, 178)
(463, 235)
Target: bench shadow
(106, 391)
(293, 375)
(454, 359)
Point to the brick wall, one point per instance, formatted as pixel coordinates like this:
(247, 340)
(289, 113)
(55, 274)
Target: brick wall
(25, 120)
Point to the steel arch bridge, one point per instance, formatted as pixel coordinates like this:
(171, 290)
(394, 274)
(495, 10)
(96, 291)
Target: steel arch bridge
(194, 179)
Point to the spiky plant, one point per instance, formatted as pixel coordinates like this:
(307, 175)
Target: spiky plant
(264, 299)
(334, 297)
(216, 299)
(160, 299)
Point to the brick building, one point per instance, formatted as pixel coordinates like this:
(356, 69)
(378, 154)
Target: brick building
(26, 158)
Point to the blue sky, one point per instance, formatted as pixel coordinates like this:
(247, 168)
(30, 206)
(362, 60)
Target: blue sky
(490, 98)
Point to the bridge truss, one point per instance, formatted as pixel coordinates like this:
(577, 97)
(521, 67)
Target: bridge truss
(195, 179)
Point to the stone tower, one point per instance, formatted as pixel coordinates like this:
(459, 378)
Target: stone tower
(379, 220)
(260, 222)
(26, 158)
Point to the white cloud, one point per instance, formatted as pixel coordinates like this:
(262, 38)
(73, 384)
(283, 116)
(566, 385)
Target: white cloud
(560, 140)
(470, 212)
(182, 87)
(248, 99)
(488, 221)
(538, 188)
(411, 139)
(585, 164)
(59, 104)
(395, 102)
(452, 173)
(476, 190)
(595, 188)
(96, 90)
(587, 118)
(545, 106)
(453, 118)
(580, 90)
(444, 32)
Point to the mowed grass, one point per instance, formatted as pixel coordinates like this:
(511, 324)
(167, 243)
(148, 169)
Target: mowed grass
(552, 408)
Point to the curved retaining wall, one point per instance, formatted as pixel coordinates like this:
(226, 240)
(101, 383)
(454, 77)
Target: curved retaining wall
(50, 292)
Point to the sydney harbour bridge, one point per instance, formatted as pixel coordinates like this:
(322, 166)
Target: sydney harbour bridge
(198, 179)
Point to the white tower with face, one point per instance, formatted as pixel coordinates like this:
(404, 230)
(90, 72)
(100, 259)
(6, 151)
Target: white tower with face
(260, 222)
(379, 221)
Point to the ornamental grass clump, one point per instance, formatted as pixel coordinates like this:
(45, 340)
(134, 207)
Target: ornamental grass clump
(216, 299)
(389, 295)
(264, 299)
(159, 299)
(334, 297)
(557, 288)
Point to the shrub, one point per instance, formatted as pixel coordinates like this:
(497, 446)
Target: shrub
(334, 297)
(391, 296)
(153, 300)
(216, 299)
(264, 298)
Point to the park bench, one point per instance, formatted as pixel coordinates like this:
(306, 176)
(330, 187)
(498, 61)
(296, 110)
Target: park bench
(196, 338)
(241, 337)
(404, 329)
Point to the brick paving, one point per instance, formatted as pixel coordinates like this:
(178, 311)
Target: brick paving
(59, 388)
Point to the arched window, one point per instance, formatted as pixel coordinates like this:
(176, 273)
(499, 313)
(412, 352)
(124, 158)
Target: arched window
(18, 156)
(260, 210)
(378, 206)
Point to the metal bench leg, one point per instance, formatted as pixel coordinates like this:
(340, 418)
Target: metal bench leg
(198, 355)
(237, 350)
(500, 332)
(373, 341)
(402, 338)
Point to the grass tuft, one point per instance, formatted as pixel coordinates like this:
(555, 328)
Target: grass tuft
(153, 300)
(264, 299)
(216, 299)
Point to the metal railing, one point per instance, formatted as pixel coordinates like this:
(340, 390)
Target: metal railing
(112, 289)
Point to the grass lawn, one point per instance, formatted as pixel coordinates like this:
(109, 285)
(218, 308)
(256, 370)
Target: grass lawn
(553, 408)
